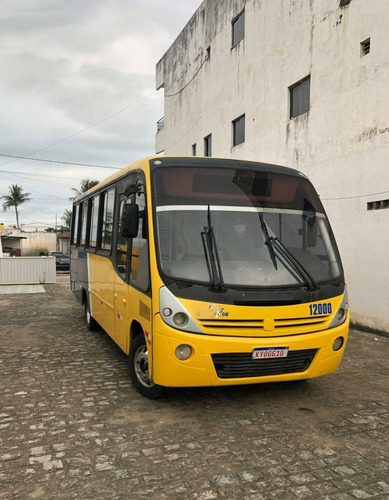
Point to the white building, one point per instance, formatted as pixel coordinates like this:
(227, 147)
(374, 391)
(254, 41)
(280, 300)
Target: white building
(301, 83)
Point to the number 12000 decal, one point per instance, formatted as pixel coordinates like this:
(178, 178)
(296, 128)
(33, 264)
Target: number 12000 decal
(316, 309)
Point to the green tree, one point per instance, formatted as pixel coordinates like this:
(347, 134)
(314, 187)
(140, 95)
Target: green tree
(67, 218)
(15, 198)
(85, 185)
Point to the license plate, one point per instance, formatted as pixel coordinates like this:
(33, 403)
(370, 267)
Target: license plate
(269, 352)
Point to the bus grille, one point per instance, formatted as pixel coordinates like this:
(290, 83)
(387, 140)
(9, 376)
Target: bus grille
(256, 328)
(240, 365)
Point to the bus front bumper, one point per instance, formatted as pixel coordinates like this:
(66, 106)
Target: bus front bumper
(204, 369)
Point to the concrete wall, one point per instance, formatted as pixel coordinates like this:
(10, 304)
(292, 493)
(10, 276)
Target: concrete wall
(342, 143)
(38, 242)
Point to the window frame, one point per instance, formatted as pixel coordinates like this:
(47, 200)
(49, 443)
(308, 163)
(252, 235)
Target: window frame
(292, 88)
(208, 145)
(235, 41)
(365, 47)
(234, 131)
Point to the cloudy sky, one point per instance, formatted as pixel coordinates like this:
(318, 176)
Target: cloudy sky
(77, 85)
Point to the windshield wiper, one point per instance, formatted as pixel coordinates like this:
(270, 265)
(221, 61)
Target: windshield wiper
(268, 241)
(211, 254)
(303, 273)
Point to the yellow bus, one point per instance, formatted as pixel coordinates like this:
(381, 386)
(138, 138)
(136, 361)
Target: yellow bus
(210, 272)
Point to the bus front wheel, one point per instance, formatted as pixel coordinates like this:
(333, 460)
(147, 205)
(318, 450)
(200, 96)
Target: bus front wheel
(138, 364)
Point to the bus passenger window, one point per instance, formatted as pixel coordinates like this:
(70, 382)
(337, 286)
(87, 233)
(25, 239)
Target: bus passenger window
(122, 247)
(106, 230)
(84, 222)
(76, 210)
(140, 275)
(94, 219)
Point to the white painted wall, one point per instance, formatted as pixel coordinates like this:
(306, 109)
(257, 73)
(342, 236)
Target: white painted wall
(37, 242)
(342, 144)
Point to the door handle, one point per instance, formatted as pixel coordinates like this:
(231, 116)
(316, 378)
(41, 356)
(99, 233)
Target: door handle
(115, 295)
(124, 301)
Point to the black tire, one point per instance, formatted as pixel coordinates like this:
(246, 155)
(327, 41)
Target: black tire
(138, 367)
(91, 324)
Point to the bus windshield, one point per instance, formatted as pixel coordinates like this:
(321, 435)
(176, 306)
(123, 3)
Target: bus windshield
(269, 229)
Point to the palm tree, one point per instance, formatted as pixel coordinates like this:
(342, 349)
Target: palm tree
(85, 185)
(67, 218)
(15, 198)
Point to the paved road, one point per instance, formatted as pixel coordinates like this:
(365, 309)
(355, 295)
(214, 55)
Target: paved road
(72, 426)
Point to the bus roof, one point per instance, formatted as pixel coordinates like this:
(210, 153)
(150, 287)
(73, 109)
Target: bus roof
(191, 161)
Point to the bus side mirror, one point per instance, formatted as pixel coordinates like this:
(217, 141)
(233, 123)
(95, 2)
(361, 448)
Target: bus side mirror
(130, 221)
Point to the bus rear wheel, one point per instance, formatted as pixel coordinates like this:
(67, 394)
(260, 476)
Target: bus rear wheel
(91, 324)
(138, 364)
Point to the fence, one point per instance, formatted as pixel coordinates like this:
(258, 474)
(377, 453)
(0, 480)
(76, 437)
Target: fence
(27, 270)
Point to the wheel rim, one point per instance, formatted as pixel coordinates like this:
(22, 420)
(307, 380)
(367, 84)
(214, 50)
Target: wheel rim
(141, 365)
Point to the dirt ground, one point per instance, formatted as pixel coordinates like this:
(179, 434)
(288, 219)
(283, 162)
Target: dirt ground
(72, 426)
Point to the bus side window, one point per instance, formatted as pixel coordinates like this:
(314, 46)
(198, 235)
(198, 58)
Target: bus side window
(107, 222)
(76, 210)
(140, 273)
(121, 247)
(94, 211)
(84, 222)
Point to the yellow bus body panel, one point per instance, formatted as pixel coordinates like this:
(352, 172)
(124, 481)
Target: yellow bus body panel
(199, 369)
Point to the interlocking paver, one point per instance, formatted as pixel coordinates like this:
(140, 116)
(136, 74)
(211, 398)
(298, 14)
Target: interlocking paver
(72, 426)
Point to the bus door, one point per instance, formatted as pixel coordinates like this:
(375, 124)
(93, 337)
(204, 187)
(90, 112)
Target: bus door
(132, 280)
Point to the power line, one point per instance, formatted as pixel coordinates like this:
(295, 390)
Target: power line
(34, 174)
(190, 81)
(353, 197)
(83, 130)
(55, 161)
(35, 221)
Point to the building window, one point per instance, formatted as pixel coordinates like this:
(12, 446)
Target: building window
(208, 145)
(238, 28)
(365, 47)
(300, 97)
(238, 131)
(377, 205)
(193, 149)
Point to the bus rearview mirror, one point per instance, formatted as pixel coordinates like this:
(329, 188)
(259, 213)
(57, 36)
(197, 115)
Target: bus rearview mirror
(130, 221)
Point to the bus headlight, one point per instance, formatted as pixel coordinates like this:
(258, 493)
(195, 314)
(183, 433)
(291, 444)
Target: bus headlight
(183, 352)
(174, 314)
(180, 319)
(341, 313)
